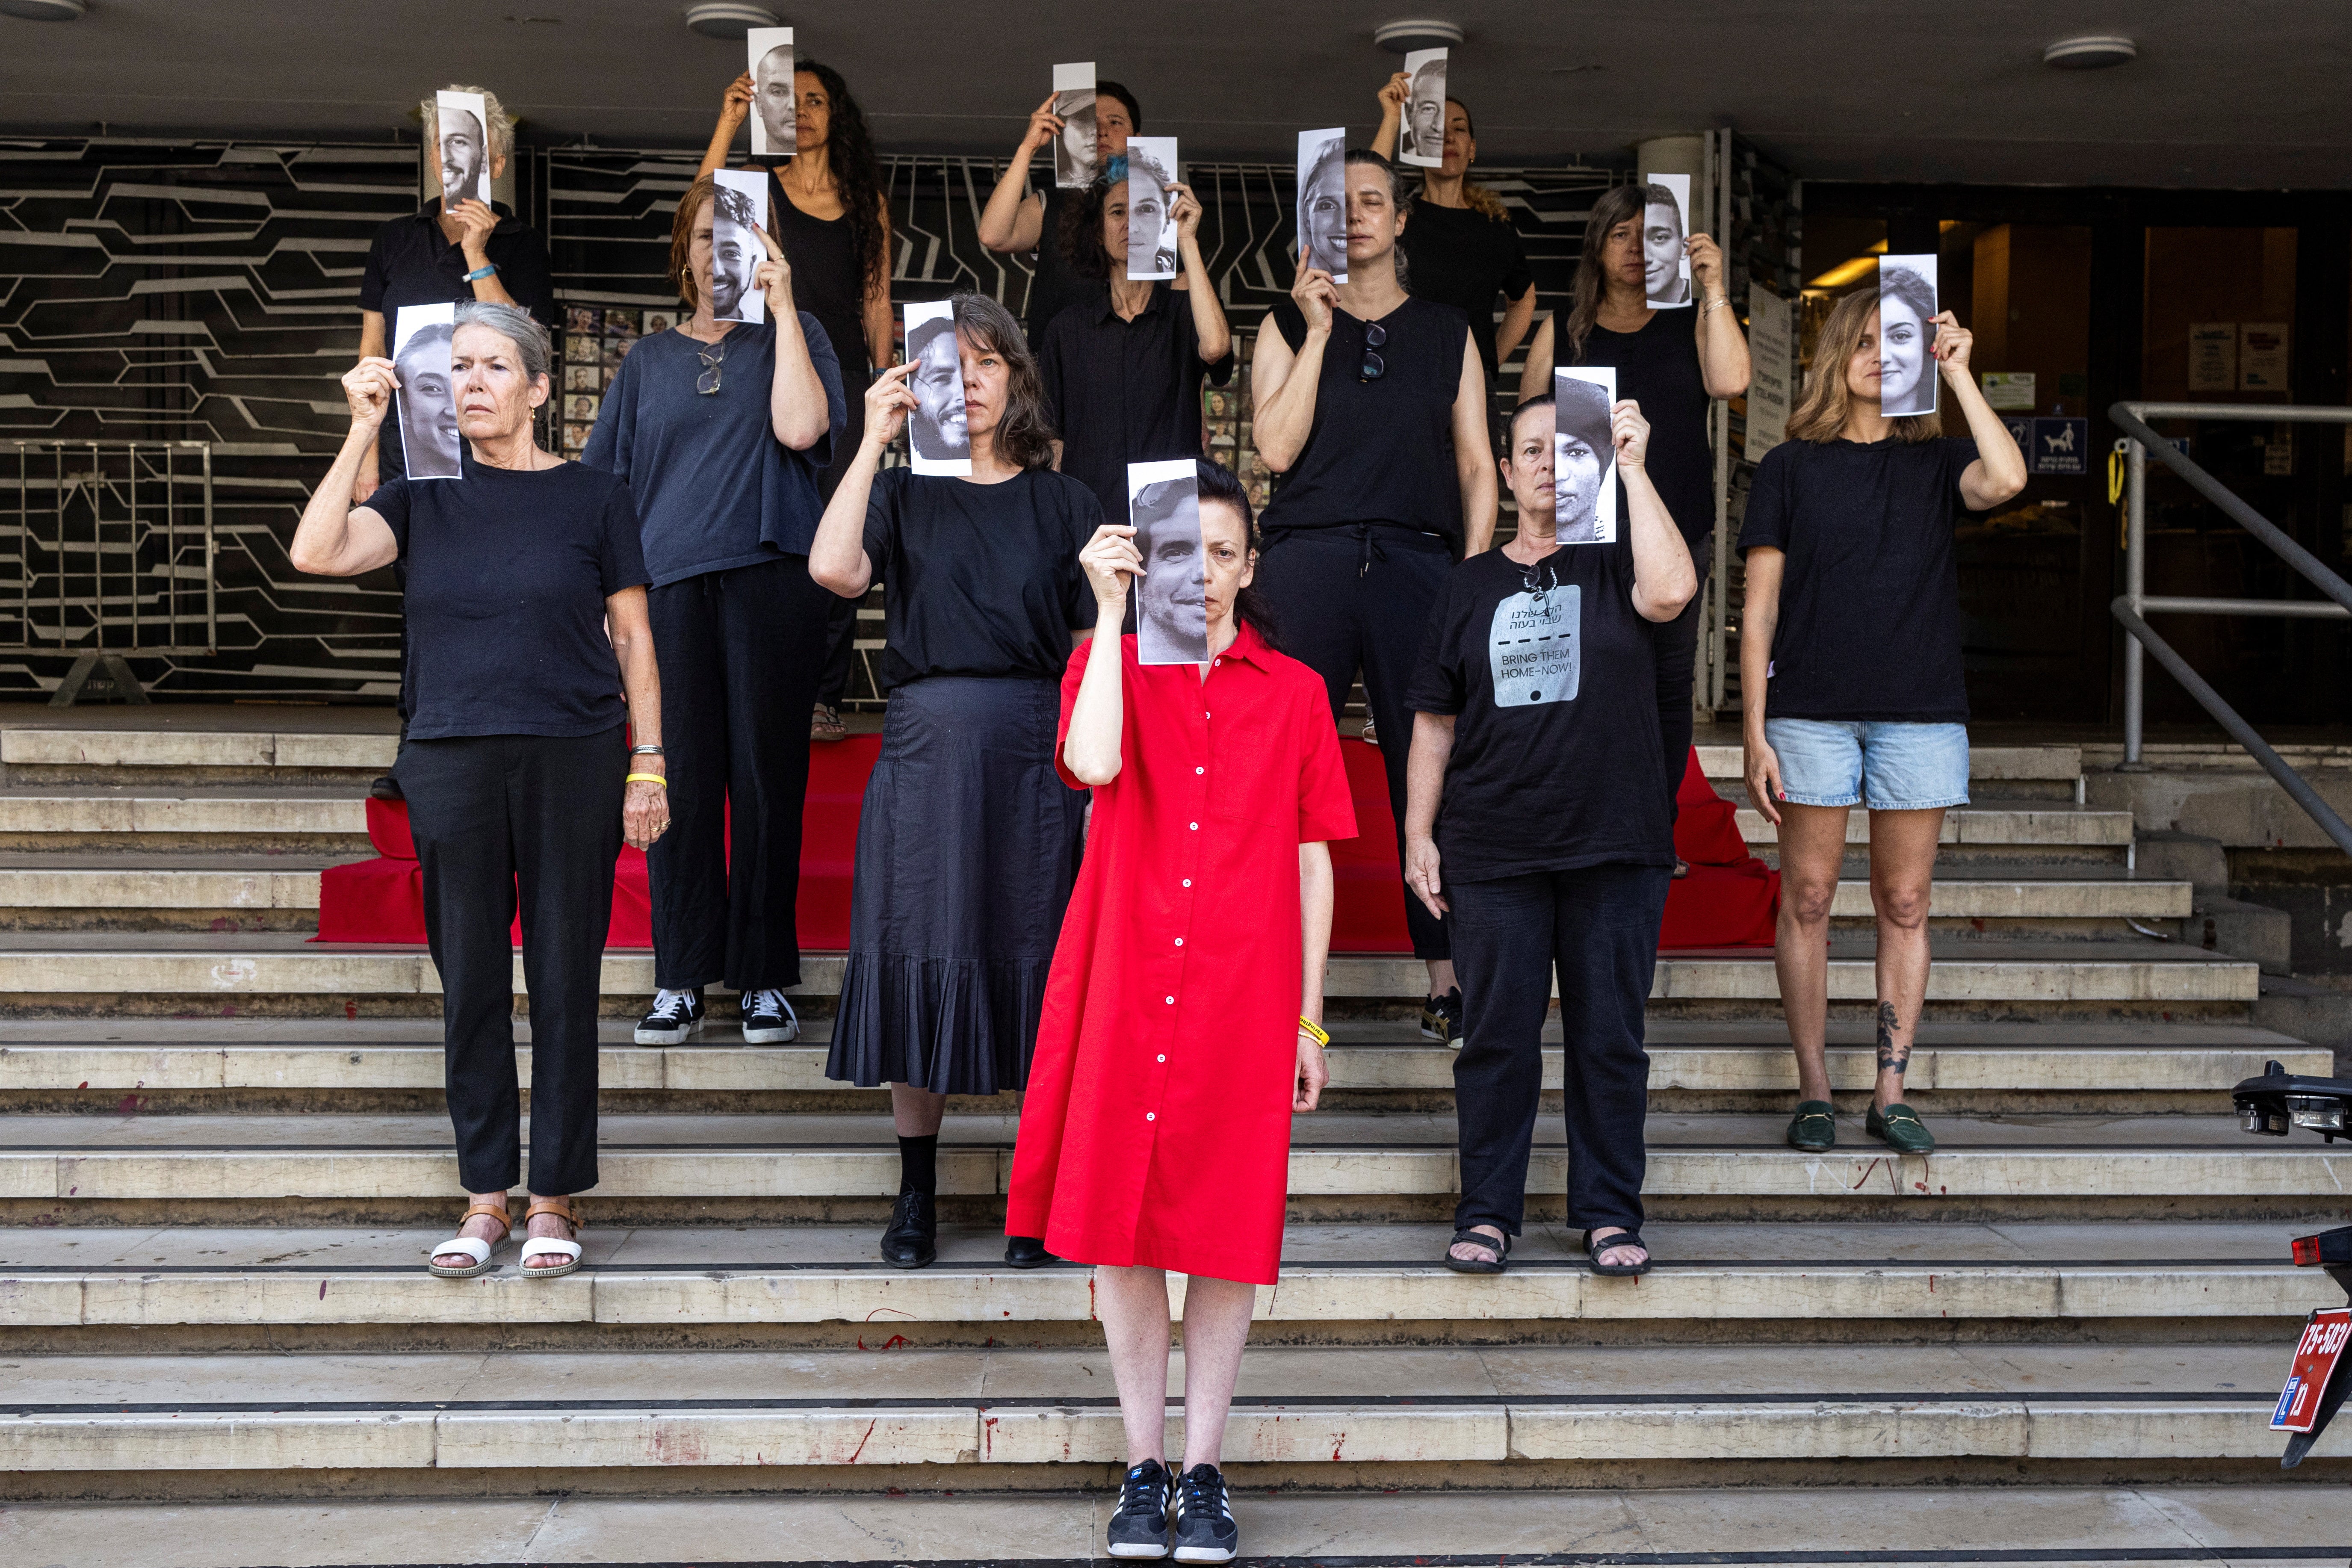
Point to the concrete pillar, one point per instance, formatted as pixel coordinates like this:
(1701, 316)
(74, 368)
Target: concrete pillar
(1671, 155)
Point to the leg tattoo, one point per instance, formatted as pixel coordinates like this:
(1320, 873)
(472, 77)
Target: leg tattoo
(1892, 1058)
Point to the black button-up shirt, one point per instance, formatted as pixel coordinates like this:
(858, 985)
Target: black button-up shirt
(1125, 392)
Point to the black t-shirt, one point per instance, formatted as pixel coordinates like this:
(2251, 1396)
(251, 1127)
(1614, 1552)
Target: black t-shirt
(1465, 258)
(1658, 368)
(1870, 595)
(1379, 450)
(981, 579)
(1556, 761)
(507, 575)
(1125, 392)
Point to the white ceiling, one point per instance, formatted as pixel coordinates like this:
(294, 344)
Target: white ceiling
(2247, 93)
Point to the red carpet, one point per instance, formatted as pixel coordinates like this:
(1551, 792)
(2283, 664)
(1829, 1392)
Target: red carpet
(1727, 900)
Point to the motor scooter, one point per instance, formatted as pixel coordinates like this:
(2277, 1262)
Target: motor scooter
(2274, 1104)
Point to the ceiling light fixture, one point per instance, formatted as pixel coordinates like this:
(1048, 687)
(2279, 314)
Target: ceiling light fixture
(729, 19)
(2092, 53)
(45, 10)
(1402, 38)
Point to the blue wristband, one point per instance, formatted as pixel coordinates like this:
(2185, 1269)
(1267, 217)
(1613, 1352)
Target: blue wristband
(489, 269)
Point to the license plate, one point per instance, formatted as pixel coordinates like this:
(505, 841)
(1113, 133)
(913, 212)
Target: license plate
(2315, 1355)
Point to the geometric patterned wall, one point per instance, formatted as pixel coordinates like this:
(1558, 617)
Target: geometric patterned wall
(207, 291)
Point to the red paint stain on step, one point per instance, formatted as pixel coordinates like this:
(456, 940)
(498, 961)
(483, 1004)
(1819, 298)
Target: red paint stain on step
(322, 1290)
(863, 1441)
(351, 1009)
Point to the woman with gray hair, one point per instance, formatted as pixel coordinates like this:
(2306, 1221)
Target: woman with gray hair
(526, 595)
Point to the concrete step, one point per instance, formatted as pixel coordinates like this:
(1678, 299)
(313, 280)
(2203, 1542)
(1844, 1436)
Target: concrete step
(1333, 1275)
(208, 751)
(206, 819)
(2251, 1525)
(1409, 1409)
(2035, 829)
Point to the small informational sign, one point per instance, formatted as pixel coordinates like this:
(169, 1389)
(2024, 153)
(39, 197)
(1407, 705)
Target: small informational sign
(2053, 445)
(2009, 391)
(2213, 356)
(2262, 356)
(2315, 1355)
(1772, 371)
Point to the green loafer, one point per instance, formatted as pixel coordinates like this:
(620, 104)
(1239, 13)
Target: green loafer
(1901, 1128)
(1814, 1126)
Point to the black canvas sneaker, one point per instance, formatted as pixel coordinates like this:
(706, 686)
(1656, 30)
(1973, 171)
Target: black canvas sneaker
(677, 1016)
(1441, 1018)
(768, 1019)
(1140, 1528)
(1205, 1531)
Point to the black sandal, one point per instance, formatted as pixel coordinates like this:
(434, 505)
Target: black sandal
(1477, 1237)
(1629, 1236)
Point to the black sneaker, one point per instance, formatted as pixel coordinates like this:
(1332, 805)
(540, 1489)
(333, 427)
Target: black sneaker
(677, 1016)
(1205, 1531)
(1441, 1019)
(913, 1238)
(1140, 1528)
(384, 787)
(768, 1019)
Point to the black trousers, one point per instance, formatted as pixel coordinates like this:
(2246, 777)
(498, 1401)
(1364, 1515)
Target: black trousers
(840, 651)
(1599, 926)
(1677, 642)
(741, 652)
(487, 812)
(1355, 597)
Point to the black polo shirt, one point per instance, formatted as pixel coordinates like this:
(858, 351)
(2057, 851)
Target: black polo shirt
(411, 263)
(1125, 392)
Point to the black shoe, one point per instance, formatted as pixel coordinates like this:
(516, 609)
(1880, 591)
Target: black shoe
(1140, 1528)
(1441, 1018)
(768, 1019)
(1205, 1531)
(913, 1237)
(675, 1017)
(1027, 1252)
(385, 787)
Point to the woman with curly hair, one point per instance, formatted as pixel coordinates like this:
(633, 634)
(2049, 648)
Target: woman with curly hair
(968, 843)
(834, 224)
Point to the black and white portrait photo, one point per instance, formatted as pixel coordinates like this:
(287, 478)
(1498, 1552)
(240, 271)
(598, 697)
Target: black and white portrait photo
(936, 438)
(461, 135)
(1171, 605)
(736, 208)
(1323, 201)
(770, 58)
(428, 402)
(1421, 140)
(1074, 101)
(1665, 258)
(1906, 330)
(1583, 457)
(1150, 231)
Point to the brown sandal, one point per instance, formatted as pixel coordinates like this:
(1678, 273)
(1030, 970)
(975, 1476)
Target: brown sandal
(473, 1246)
(548, 1246)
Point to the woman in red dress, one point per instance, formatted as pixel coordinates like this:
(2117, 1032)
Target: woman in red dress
(1182, 1018)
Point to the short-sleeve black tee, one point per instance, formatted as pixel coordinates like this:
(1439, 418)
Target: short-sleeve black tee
(1658, 368)
(507, 575)
(981, 579)
(1464, 258)
(1551, 677)
(1870, 595)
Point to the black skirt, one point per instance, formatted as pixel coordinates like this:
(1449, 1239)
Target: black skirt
(966, 855)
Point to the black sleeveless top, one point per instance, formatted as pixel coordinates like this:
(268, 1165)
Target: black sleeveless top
(1658, 368)
(825, 284)
(1380, 451)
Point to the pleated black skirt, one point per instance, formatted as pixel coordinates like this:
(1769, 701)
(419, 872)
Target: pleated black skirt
(966, 854)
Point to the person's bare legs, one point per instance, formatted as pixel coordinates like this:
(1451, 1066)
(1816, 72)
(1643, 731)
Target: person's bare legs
(1812, 849)
(1216, 1326)
(1902, 873)
(917, 1113)
(1133, 1306)
(1441, 976)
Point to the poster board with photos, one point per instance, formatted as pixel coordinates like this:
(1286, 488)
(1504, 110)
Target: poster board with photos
(461, 126)
(1421, 133)
(739, 216)
(1584, 458)
(1665, 252)
(937, 440)
(767, 55)
(596, 338)
(425, 401)
(1172, 615)
(1151, 244)
(1907, 335)
(1323, 200)
(1075, 155)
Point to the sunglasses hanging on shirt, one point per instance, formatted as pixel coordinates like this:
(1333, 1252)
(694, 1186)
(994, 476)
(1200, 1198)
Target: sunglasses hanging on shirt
(1376, 336)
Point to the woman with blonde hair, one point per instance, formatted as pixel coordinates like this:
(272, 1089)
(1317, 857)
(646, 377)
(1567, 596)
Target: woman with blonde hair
(1851, 677)
(1460, 247)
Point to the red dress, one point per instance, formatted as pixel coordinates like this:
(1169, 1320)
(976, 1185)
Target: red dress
(1156, 1128)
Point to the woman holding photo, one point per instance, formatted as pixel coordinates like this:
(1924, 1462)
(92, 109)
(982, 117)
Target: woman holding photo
(1123, 367)
(833, 222)
(1851, 677)
(1672, 363)
(1020, 219)
(1461, 248)
(721, 429)
(969, 842)
(1371, 405)
(1537, 823)
(1156, 1133)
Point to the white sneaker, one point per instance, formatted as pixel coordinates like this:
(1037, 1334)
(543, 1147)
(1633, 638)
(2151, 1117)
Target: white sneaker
(768, 1019)
(676, 1017)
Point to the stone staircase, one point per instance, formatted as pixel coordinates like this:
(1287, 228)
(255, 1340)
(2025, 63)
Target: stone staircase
(222, 1155)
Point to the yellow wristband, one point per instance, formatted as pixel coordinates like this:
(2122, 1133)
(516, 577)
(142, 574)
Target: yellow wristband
(646, 778)
(1309, 1028)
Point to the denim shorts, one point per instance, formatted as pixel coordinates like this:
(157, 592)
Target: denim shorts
(1889, 766)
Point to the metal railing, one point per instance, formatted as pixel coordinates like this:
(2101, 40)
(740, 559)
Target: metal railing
(2135, 602)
